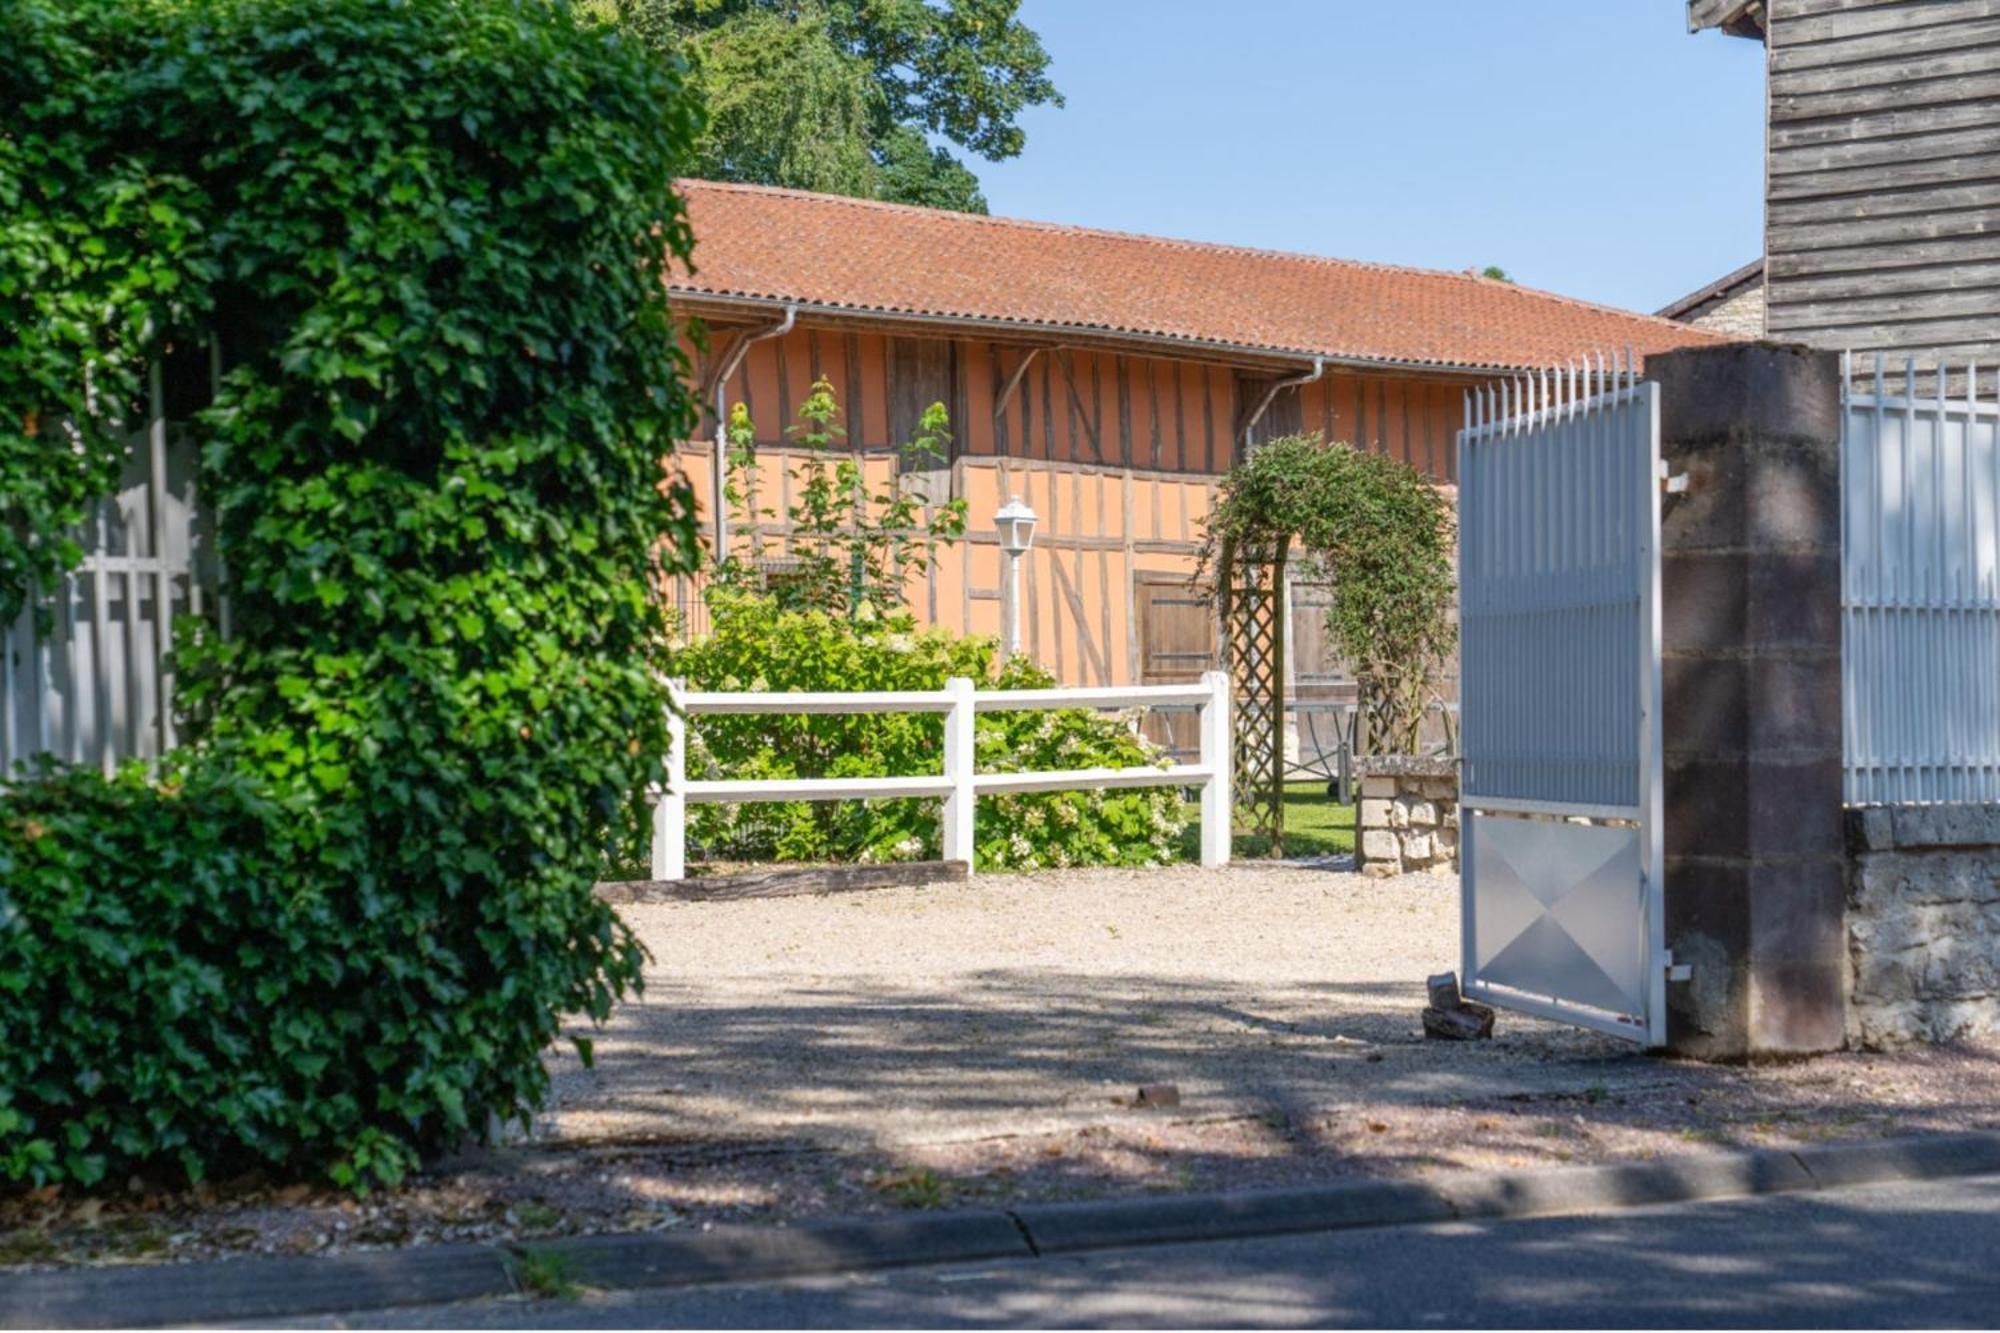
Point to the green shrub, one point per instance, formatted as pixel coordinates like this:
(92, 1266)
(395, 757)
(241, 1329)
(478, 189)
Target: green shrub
(160, 979)
(754, 645)
(431, 236)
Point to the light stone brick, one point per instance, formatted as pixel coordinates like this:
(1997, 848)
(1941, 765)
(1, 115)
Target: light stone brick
(1374, 813)
(1417, 847)
(1422, 814)
(1380, 845)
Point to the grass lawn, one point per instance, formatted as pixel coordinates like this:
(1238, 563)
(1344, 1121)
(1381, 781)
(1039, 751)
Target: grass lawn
(1314, 825)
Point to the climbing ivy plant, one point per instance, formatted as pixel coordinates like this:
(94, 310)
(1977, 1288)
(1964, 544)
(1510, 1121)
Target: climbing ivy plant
(427, 239)
(1381, 535)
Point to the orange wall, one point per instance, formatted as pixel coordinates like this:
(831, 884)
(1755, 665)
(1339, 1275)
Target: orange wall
(1118, 455)
(1072, 405)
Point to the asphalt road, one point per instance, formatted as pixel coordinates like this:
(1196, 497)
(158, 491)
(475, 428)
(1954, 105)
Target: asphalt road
(1911, 1255)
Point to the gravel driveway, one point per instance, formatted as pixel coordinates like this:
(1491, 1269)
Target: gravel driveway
(980, 1044)
(1017, 1004)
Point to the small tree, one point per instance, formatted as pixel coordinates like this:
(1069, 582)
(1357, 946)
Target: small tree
(855, 550)
(1381, 535)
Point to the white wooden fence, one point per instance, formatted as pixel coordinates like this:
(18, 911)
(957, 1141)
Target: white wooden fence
(1920, 587)
(96, 688)
(959, 784)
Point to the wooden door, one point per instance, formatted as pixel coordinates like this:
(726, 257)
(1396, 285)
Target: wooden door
(1176, 644)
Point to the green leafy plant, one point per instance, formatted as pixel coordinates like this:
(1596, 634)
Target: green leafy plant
(429, 238)
(1381, 535)
(756, 644)
(853, 551)
(543, 1275)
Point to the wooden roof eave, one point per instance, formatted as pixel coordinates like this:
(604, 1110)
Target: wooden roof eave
(717, 309)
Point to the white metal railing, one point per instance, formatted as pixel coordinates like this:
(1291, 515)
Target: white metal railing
(959, 784)
(1920, 585)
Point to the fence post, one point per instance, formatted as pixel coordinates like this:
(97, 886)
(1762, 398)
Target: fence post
(670, 812)
(1217, 759)
(958, 770)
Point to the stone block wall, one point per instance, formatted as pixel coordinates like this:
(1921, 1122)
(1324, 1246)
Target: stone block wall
(1923, 923)
(1407, 815)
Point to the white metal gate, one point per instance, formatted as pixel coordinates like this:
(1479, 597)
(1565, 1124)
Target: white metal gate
(1559, 522)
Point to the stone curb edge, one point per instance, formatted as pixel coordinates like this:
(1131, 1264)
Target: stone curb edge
(264, 1289)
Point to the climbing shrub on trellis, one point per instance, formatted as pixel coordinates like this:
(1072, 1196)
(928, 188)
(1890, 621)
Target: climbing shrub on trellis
(427, 240)
(1381, 536)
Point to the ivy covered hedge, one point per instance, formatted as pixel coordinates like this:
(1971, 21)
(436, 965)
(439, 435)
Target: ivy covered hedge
(428, 237)
(757, 644)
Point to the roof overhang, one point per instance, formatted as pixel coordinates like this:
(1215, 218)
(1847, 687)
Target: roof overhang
(1738, 18)
(717, 308)
(1729, 284)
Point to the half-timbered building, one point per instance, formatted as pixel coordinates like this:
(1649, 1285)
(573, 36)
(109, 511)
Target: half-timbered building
(1106, 379)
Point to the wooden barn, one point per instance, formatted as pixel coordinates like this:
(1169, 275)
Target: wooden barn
(1105, 379)
(1882, 177)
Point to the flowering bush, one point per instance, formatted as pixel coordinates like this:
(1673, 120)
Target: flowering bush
(755, 645)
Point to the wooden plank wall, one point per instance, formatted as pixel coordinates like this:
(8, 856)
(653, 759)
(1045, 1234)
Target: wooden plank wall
(1882, 226)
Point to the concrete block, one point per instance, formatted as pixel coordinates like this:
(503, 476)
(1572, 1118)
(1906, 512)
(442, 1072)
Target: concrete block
(251, 1290)
(1579, 1189)
(739, 1254)
(1966, 825)
(1061, 1227)
(1839, 1164)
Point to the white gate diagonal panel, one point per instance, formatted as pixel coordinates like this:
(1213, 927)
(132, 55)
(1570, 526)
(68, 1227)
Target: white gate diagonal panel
(1561, 863)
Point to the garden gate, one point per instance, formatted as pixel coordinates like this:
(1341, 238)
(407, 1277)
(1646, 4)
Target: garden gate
(1560, 676)
(84, 673)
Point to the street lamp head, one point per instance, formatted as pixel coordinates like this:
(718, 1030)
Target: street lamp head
(1016, 525)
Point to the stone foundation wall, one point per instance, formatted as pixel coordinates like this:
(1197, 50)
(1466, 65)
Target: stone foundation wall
(1923, 923)
(1407, 815)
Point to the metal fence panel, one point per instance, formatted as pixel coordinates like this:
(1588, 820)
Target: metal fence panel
(1920, 587)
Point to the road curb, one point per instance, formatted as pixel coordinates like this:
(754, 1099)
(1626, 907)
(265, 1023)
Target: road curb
(266, 1289)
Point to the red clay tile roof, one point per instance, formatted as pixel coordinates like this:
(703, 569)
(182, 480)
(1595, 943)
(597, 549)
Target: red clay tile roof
(826, 251)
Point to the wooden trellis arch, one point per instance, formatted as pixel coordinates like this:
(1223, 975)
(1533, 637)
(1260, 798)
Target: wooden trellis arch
(1250, 592)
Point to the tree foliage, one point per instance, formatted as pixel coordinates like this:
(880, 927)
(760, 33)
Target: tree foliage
(341, 927)
(1381, 534)
(851, 96)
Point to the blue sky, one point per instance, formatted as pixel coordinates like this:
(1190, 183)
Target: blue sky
(1591, 147)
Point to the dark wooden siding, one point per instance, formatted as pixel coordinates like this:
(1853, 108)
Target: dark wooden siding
(1882, 226)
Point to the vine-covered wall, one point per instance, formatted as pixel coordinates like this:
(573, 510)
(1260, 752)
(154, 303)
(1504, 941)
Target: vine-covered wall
(340, 926)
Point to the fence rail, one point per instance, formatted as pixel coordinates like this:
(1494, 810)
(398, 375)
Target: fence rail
(1920, 584)
(959, 784)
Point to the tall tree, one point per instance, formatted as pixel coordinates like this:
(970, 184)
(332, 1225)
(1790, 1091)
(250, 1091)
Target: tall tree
(858, 97)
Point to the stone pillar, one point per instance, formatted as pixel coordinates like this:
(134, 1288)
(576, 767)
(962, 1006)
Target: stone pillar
(1751, 706)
